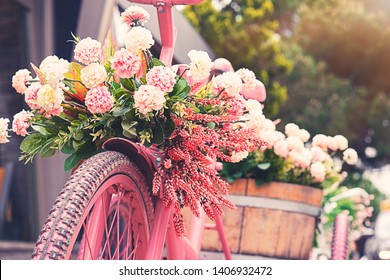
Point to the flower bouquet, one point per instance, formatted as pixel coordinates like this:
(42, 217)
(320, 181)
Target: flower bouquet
(126, 92)
(290, 157)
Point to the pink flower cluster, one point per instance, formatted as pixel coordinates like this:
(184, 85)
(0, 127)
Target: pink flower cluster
(148, 98)
(99, 100)
(88, 50)
(19, 80)
(31, 95)
(134, 15)
(20, 122)
(126, 63)
(162, 78)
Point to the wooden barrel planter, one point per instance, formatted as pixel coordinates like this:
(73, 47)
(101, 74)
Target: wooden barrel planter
(275, 220)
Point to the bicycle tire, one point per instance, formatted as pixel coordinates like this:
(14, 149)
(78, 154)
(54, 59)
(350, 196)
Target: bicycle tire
(339, 249)
(107, 195)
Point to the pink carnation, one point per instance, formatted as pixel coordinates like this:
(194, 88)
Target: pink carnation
(19, 80)
(133, 15)
(126, 63)
(161, 77)
(20, 122)
(148, 98)
(99, 100)
(31, 94)
(88, 50)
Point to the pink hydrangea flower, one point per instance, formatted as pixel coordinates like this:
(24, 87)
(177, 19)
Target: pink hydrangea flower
(135, 15)
(148, 98)
(161, 77)
(99, 100)
(4, 130)
(88, 50)
(126, 63)
(19, 80)
(31, 94)
(20, 122)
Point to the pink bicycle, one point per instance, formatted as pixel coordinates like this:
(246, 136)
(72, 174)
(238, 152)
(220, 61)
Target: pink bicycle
(106, 210)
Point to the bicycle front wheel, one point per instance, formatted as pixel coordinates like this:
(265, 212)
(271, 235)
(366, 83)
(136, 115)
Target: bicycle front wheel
(104, 212)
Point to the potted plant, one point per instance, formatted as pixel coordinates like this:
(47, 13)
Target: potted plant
(279, 188)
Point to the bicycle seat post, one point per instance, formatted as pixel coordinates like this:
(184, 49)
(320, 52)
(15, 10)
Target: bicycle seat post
(167, 30)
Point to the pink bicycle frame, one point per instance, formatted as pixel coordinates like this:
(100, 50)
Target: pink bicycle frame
(161, 231)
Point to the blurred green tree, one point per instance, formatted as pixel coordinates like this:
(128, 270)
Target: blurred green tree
(352, 38)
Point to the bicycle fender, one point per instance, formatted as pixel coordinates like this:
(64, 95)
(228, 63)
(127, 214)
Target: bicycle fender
(146, 159)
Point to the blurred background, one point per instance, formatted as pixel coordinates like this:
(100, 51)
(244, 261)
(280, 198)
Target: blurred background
(325, 64)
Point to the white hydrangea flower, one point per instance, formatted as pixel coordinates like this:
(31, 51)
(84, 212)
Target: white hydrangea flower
(350, 156)
(54, 69)
(200, 65)
(93, 75)
(253, 106)
(281, 148)
(228, 82)
(304, 135)
(295, 143)
(291, 129)
(239, 156)
(139, 38)
(318, 171)
(342, 142)
(248, 78)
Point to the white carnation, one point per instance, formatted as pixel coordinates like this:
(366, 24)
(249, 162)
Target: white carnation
(139, 38)
(93, 75)
(54, 69)
(200, 65)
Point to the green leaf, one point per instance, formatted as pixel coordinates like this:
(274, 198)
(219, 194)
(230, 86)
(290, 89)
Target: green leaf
(170, 127)
(129, 128)
(74, 159)
(156, 62)
(181, 89)
(158, 134)
(264, 166)
(30, 142)
(68, 148)
(77, 144)
(78, 135)
(71, 162)
(117, 112)
(47, 150)
(211, 125)
(128, 84)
